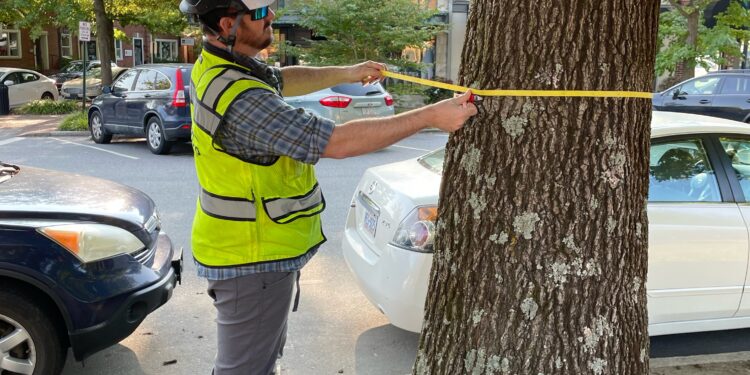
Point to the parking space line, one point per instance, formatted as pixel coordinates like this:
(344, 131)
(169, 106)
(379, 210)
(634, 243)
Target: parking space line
(10, 140)
(96, 148)
(411, 148)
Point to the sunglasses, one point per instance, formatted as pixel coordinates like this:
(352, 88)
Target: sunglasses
(259, 13)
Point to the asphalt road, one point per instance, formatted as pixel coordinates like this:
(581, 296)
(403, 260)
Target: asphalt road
(336, 330)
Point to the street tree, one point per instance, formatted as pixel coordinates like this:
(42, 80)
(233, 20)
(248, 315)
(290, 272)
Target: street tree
(541, 251)
(685, 41)
(352, 31)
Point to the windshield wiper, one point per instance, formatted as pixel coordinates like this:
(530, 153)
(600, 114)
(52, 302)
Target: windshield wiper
(7, 171)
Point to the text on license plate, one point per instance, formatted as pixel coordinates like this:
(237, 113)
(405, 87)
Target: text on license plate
(370, 222)
(369, 111)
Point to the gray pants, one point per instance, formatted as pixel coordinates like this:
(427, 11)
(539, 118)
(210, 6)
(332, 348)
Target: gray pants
(251, 319)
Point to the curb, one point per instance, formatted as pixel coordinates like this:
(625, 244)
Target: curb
(57, 133)
(702, 359)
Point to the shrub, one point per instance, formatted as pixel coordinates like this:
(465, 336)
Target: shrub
(405, 89)
(75, 122)
(48, 107)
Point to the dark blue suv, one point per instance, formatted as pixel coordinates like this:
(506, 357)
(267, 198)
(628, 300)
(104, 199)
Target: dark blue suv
(82, 262)
(149, 100)
(725, 94)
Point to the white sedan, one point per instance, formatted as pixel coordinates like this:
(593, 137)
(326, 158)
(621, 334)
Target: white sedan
(27, 85)
(698, 228)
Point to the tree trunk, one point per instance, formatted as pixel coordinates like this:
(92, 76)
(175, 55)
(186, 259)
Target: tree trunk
(688, 66)
(105, 39)
(541, 255)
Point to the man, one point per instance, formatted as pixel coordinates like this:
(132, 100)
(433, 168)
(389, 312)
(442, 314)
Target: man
(257, 221)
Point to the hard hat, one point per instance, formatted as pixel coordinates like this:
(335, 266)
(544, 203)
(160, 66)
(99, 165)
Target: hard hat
(201, 7)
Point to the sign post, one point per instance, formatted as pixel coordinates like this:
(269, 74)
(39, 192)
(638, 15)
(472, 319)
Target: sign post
(84, 35)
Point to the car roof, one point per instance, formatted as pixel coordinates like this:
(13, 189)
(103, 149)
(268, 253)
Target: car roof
(166, 65)
(8, 70)
(665, 124)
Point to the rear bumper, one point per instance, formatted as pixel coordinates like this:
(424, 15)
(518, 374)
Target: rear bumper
(133, 308)
(175, 130)
(395, 281)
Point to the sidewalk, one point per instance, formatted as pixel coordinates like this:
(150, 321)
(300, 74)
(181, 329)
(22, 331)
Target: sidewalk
(35, 126)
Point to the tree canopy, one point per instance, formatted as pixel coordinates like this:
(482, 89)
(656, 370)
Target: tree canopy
(350, 31)
(686, 40)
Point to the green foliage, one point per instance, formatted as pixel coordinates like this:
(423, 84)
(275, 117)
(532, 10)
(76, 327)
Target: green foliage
(360, 30)
(405, 89)
(47, 107)
(713, 45)
(77, 121)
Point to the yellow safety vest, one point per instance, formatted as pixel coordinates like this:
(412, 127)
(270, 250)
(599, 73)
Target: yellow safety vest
(246, 213)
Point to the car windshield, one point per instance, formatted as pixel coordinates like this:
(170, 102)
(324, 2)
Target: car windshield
(356, 89)
(7, 171)
(434, 160)
(75, 66)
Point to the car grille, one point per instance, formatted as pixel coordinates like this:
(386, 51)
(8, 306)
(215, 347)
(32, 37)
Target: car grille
(153, 226)
(72, 91)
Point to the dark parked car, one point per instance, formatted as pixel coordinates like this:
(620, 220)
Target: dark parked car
(724, 94)
(148, 100)
(82, 262)
(75, 70)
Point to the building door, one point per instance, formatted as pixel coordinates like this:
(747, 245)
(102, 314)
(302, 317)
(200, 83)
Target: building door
(42, 52)
(137, 51)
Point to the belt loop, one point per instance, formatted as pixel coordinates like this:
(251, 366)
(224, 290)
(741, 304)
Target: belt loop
(296, 297)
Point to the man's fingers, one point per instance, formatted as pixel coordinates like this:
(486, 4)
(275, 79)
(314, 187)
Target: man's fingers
(463, 98)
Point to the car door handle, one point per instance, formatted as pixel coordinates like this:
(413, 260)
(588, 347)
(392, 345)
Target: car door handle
(704, 101)
(147, 96)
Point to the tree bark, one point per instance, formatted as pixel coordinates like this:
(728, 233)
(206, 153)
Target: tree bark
(541, 252)
(105, 39)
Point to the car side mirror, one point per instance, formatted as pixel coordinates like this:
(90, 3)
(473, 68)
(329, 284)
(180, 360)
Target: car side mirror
(8, 83)
(106, 90)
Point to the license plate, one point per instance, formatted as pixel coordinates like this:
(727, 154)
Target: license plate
(370, 222)
(369, 111)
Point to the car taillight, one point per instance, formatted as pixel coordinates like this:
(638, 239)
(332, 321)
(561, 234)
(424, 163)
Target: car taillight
(388, 100)
(336, 101)
(178, 98)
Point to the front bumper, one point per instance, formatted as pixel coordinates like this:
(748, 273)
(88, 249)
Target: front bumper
(133, 308)
(395, 280)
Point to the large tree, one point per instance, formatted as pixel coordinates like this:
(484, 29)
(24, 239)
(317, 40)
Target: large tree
(352, 31)
(541, 250)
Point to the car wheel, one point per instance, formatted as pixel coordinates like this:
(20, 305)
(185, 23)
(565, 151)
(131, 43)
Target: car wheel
(48, 96)
(155, 138)
(29, 341)
(96, 127)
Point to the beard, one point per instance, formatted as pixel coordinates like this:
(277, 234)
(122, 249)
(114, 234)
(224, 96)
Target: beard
(263, 41)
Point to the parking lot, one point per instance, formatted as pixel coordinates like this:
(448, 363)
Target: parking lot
(336, 330)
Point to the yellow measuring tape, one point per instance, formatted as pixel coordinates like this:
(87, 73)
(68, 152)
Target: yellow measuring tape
(580, 93)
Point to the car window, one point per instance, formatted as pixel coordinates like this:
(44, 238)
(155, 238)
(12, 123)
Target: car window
(738, 151)
(75, 66)
(14, 77)
(434, 161)
(736, 85)
(150, 80)
(125, 82)
(700, 86)
(29, 77)
(679, 171)
(356, 89)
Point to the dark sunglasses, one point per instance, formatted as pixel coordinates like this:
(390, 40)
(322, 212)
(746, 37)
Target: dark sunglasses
(259, 13)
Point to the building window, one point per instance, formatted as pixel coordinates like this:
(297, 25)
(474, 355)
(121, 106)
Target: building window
(66, 44)
(165, 50)
(10, 43)
(118, 49)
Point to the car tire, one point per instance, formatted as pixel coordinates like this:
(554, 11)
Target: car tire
(39, 345)
(96, 127)
(155, 137)
(48, 96)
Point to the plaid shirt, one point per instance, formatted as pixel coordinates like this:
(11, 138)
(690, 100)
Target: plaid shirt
(261, 126)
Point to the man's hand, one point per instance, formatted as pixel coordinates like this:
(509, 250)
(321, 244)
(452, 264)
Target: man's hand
(451, 114)
(366, 72)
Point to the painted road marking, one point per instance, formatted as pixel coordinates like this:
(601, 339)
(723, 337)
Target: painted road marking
(97, 148)
(10, 140)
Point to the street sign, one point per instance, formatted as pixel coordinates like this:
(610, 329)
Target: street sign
(187, 41)
(84, 31)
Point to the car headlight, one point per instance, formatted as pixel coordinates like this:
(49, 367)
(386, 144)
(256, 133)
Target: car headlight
(417, 231)
(92, 242)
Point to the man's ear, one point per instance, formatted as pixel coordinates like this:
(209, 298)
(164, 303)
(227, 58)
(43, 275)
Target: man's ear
(225, 25)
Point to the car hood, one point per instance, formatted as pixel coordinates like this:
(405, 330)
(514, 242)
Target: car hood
(36, 193)
(78, 82)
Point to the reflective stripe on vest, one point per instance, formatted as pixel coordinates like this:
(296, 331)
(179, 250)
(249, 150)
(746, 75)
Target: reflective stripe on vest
(284, 210)
(227, 208)
(207, 118)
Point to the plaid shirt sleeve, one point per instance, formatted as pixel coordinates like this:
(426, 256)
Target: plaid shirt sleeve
(260, 124)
